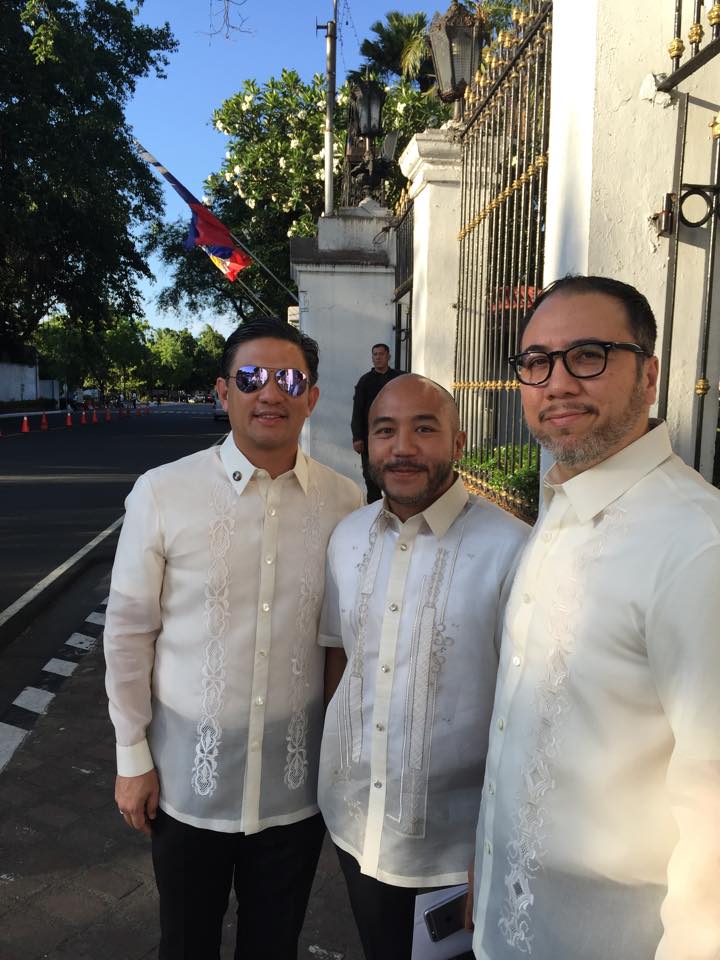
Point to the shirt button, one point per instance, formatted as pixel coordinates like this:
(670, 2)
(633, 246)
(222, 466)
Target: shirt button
(488, 847)
(255, 745)
(377, 784)
(266, 606)
(393, 607)
(268, 559)
(526, 598)
(491, 788)
(259, 701)
(385, 668)
(501, 724)
(403, 546)
(272, 511)
(380, 727)
(237, 475)
(516, 661)
(263, 653)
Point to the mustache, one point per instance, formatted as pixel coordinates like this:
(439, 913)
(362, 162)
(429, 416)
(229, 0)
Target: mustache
(563, 408)
(404, 465)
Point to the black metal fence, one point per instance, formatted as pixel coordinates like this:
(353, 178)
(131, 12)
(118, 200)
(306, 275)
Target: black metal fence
(504, 176)
(402, 295)
(692, 209)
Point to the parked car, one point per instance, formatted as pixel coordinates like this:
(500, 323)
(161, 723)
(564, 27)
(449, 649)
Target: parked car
(219, 413)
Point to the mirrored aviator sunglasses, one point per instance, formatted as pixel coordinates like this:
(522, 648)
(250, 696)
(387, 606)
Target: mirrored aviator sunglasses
(249, 379)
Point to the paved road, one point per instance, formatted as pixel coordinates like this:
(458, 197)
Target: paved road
(60, 488)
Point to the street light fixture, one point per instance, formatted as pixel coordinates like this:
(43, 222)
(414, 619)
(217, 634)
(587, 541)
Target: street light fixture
(455, 40)
(368, 97)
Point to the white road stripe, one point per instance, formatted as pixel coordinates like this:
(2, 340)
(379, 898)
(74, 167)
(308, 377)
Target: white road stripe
(96, 617)
(35, 591)
(10, 739)
(81, 641)
(34, 699)
(62, 667)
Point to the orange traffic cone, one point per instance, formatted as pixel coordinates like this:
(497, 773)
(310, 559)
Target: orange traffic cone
(68, 419)
(43, 422)
(107, 415)
(138, 411)
(94, 418)
(25, 428)
(83, 417)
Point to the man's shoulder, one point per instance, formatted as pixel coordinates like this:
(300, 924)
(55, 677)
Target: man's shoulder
(178, 470)
(332, 481)
(484, 515)
(684, 492)
(356, 525)
(365, 378)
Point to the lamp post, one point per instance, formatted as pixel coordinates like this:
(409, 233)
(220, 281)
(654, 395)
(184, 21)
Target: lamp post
(455, 40)
(366, 102)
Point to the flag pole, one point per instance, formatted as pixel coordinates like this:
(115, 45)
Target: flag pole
(189, 198)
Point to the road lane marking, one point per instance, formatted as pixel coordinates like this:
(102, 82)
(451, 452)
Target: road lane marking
(34, 699)
(62, 667)
(43, 584)
(81, 641)
(10, 739)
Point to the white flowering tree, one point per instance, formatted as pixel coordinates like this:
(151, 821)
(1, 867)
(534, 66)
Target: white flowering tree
(270, 185)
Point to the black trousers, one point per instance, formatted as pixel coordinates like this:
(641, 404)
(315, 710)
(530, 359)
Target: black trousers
(385, 915)
(373, 491)
(272, 873)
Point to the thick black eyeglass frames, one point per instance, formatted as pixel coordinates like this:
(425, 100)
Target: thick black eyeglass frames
(583, 361)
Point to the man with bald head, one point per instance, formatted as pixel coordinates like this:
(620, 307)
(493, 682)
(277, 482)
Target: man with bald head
(413, 594)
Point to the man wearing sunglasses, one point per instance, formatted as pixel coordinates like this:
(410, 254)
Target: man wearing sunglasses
(214, 675)
(599, 831)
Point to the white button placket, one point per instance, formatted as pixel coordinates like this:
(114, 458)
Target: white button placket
(389, 633)
(261, 665)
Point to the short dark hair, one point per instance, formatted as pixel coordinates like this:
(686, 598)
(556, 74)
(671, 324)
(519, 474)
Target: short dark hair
(276, 329)
(385, 347)
(639, 312)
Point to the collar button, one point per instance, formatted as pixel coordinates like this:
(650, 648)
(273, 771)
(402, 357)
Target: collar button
(237, 475)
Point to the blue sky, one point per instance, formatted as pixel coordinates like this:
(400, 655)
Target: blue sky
(171, 117)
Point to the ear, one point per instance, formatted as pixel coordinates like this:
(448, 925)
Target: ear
(651, 374)
(313, 397)
(222, 391)
(459, 445)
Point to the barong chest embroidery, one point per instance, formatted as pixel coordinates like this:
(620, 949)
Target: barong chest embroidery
(311, 587)
(217, 615)
(531, 821)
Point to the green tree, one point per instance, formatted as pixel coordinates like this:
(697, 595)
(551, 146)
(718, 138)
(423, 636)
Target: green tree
(399, 49)
(173, 362)
(210, 346)
(60, 343)
(73, 191)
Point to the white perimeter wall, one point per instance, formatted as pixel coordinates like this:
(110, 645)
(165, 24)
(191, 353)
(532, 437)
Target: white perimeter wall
(18, 382)
(346, 308)
(612, 157)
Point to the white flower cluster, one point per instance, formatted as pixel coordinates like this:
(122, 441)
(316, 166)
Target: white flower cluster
(247, 102)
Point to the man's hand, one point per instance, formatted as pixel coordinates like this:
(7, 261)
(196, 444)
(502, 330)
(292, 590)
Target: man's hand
(137, 799)
(359, 446)
(469, 925)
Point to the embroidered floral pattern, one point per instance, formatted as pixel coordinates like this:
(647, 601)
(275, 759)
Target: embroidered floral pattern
(296, 763)
(526, 848)
(209, 729)
(429, 644)
(350, 692)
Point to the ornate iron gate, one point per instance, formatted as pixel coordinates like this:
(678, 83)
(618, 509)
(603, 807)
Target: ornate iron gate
(504, 176)
(693, 209)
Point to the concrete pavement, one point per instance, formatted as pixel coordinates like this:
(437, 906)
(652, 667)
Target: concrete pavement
(75, 881)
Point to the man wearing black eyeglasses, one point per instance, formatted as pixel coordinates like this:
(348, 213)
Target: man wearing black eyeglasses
(599, 831)
(214, 675)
